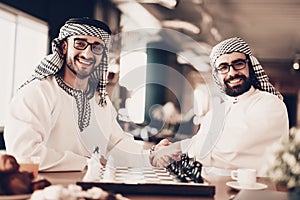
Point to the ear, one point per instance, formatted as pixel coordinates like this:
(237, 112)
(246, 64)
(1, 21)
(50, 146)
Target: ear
(64, 47)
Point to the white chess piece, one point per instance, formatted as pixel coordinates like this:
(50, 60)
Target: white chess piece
(94, 167)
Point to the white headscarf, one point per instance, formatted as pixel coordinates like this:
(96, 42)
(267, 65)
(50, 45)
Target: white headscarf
(52, 63)
(237, 44)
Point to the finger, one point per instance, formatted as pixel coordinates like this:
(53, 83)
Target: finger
(161, 162)
(166, 160)
(165, 142)
(176, 157)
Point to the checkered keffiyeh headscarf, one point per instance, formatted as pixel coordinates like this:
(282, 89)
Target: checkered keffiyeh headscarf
(52, 63)
(237, 44)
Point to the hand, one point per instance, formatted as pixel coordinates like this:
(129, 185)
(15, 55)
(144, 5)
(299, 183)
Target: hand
(162, 143)
(163, 155)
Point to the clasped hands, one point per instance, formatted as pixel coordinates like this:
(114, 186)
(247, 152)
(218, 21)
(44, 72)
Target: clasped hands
(164, 153)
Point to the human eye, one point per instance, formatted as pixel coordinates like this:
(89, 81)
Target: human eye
(97, 47)
(223, 68)
(80, 43)
(239, 64)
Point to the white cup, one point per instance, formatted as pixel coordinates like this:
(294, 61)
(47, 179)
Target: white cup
(245, 177)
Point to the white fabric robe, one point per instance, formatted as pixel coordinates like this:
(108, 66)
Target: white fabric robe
(245, 129)
(42, 121)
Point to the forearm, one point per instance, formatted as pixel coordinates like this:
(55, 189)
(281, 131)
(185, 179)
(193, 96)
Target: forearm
(50, 160)
(130, 153)
(23, 141)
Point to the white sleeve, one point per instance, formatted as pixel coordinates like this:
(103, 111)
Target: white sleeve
(194, 145)
(123, 150)
(29, 125)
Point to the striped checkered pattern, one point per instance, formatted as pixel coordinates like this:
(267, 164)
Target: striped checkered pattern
(237, 44)
(84, 109)
(52, 63)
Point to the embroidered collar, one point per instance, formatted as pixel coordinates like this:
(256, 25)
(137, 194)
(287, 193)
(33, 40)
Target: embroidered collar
(82, 103)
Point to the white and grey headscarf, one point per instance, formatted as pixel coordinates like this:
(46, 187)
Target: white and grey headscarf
(237, 44)
(51, 65)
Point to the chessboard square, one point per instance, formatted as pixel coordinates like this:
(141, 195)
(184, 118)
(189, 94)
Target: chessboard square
(121, 168)
(138, 173)
(166, 178)
(150, 175)
(119, 178)
(148, 172)
(159, 170)
(162, 174)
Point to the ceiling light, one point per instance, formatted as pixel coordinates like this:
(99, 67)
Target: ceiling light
(296, 65)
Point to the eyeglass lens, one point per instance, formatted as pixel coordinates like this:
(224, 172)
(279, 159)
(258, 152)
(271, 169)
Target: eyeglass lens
(236, 65)
(81, 44)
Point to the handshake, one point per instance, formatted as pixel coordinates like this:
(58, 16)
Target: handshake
(164, 153)
(169, 156)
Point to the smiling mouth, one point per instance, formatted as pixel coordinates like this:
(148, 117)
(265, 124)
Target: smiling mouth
(85, 62)
(235, 81)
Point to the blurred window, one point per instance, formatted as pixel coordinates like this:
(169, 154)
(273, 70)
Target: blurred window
(24, 41)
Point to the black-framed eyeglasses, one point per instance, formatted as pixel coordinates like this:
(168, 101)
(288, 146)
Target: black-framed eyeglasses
(82, 44)
(239, 64)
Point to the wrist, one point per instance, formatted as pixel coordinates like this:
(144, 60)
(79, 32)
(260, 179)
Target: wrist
(152, 149)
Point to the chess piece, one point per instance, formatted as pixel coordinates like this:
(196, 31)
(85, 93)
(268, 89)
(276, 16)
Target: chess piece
(94, 167)
(186, 169)
(196, 172)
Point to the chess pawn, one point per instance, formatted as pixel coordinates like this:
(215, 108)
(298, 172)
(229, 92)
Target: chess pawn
(94, 167)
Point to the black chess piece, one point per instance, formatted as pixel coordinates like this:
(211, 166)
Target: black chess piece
(172, 167)
(196, 172)
(186, 169)
(182, 177)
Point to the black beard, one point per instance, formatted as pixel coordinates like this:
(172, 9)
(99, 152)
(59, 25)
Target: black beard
(78, 75)
(239, 89)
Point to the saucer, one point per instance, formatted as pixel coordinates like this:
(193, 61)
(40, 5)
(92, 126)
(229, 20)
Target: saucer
(256, 186)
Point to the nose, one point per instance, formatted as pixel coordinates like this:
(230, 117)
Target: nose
(87, 52)
(232, 71)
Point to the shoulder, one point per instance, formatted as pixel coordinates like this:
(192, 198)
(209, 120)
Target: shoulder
(266, 101)
(266, 97)
(45, 85)
(45, 89)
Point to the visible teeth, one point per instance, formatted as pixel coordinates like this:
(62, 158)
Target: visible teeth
(85, 62)
(235, 80)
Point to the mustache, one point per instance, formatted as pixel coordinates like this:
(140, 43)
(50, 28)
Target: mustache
(234, 77)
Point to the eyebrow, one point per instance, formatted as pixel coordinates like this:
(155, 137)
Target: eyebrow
(238, 59)
(84, 39)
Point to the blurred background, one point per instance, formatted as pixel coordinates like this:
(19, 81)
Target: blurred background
(160, 79)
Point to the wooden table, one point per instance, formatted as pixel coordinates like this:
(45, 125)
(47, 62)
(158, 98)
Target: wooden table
(222, 192)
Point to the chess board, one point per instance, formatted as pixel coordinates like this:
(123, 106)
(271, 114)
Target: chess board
(148, 181)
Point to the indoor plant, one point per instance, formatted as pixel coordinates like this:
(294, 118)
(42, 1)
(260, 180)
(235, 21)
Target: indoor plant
(285, 170)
